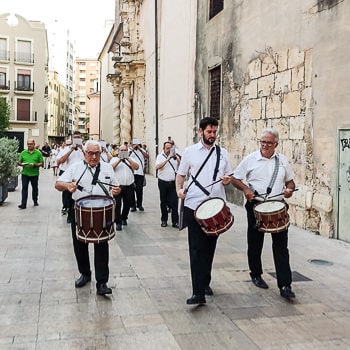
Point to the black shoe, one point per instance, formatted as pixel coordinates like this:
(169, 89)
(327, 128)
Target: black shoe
(196, 299)
(103, 289)
(118, 227)
(259, 282)
(36, 204)
(69, 220)
(124, 223)
(286, 292)
(208, 291)
(163, 224)
(141, 208)
(22, 206)
(175, 225)
(82, 280)
(132, 209)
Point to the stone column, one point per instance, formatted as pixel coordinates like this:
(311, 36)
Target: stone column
(126, 113)
(116, 116)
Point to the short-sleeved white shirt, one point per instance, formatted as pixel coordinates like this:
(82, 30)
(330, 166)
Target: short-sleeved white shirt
(191, 161)
(74, 172)
(139, 159)
(257, 171)
(123, 174)
(74, 157)
(168, 172)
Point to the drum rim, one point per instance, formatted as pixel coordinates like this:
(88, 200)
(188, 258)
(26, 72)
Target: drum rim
(270, 212)
(207, 200)
(95, 196)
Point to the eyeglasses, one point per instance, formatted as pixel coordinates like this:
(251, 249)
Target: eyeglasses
(267, 143)
(96, 154)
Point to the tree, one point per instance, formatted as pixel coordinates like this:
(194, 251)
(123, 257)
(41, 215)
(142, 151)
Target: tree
(4, 116)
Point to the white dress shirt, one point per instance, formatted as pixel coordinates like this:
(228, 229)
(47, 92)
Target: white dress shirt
(192, 159)
(258, 171)
(123, 174)
(168, 172)
(75, 172)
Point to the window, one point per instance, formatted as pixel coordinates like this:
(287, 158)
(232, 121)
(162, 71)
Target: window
(24, 51)
(23, 109)
(215, 92)
(3, 79)
(3, 50)
(23, 80)
(215, 6)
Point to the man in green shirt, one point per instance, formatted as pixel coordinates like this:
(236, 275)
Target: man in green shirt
(31, 160)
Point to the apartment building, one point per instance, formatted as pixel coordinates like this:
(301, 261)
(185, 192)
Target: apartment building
(86, 82)
(23, 76)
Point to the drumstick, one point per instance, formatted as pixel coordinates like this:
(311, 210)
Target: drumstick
(105, 183)
(280, 194)
(215, 182)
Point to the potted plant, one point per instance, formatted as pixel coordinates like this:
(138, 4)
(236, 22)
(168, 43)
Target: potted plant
(8, 164)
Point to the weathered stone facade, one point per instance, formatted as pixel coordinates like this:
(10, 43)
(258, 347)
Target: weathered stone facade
(277, 71)
(128, 80)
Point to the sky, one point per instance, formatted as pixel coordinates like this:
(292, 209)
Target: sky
(85, 20)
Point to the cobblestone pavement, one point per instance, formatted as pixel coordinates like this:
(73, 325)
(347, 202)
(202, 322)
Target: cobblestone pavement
(149, 274)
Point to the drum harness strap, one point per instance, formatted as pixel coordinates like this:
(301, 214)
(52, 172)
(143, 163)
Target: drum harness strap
(169, 162)
(273, 178)
(194, 178)
(96, 181)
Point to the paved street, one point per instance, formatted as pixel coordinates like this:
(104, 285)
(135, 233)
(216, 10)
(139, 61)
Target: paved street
(149, 274)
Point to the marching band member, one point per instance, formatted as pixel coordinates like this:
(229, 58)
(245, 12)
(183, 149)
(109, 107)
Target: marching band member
(267, 173)
(204, 162)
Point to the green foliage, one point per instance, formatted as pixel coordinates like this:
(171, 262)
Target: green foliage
(4, 116)
(8, 159)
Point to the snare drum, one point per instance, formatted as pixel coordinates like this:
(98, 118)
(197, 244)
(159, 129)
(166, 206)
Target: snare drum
(94, 217)
(271, 216)
(214, 216)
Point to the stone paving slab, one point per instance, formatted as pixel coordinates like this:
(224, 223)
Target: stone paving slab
(150, 278)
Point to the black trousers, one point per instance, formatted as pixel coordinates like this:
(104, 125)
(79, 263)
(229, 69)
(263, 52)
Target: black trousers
(34, 180)
(67, 200)
(202, 249)
(168, 198)
(138, 191)
(123, 203)
(81, 251)
(279, 250)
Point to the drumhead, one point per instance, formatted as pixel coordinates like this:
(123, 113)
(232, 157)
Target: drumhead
(209, 208)
(94, 202)
(269, 206)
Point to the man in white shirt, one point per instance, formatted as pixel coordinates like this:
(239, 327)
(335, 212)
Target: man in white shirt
(216, 165)
(78, 179)
(72, 153)
(167, 164)
(138, 155)
(124, 168)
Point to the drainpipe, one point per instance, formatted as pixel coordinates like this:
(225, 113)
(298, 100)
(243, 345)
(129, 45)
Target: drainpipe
(156, 70)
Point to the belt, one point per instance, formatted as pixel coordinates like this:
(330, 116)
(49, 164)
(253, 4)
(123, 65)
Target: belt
(167, 182)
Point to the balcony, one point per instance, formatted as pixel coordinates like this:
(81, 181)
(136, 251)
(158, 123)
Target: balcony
(24, 88)
(5, 88)
(24, 58)
(4, 56)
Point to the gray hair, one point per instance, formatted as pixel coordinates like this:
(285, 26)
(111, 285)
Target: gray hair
(271, 132)
(92, 143)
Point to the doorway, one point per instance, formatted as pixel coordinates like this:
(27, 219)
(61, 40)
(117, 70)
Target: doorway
(344, 185)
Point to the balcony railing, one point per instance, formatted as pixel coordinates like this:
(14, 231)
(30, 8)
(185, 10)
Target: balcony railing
(24, 57)
(4, 55)
(24, 88)
(5, 87)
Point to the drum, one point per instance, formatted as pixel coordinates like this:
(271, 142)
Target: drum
(271, 216)
(94, 217)
(214, 216)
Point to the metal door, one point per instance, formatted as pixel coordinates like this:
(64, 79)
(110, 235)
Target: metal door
(344, 185)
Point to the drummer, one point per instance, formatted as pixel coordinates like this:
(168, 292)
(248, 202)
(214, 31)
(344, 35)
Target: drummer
(84, 178)
(267, 174)
(206, 162)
